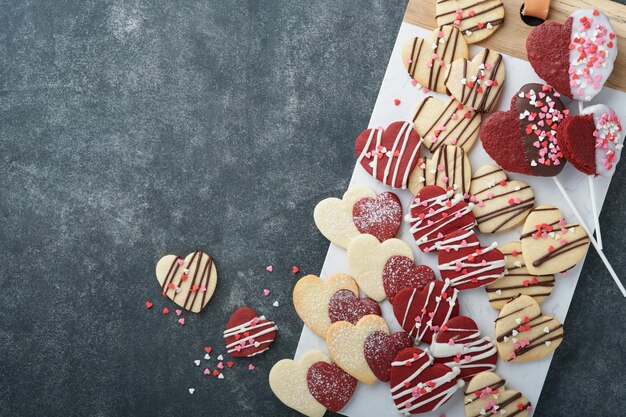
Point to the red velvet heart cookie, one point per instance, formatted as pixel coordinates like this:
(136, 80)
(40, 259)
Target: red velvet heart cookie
(380, 349)
(389, 155)
(247, 334)
(436, 212)
(345, 306)
(380, 216)
(330, 385)
(401, 272)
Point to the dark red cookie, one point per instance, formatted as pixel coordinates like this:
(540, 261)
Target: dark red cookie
(389, 155)
(380, 216)
(401, 272)
(380, 349)
(422, 312)
(576, 138)
(345, 306)
(330, 385)
(247, 334)
(436, 212)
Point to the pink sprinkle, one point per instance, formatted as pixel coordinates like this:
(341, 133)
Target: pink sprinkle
(181, 321)
(180, 261)
(206, 371)
(269, 268)
(179, 312)
(250, 367)
(413, 83)
(563, 242)
(489, 195)
(220, 365)
(266, 292)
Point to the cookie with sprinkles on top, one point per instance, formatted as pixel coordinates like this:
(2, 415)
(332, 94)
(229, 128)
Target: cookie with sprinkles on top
(476, 19)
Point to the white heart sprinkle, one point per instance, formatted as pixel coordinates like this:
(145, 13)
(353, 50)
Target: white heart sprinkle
(192, 390)
(548, 343)
(518, 320)
(220, 376)
(499, 292)
(197, 362)
(207, 356)
(546, 329)
(275, 304)
(220, 358)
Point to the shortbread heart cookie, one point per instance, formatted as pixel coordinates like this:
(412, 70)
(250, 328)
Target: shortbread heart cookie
(549, 243)
(330, 385)
(426, 60)
(523, 333)
(289, 382)
(477, 83)
(458, 345)
(367, 258)
(345, 306)
(524, 139)
(436, 212)
(446, 123)
(312, 296)
(389, 155)
(248, 334)
(421, 313)
(380, 349)
(418, 385)
(449, 168)
(334, 217)
(517, 280)
(500, 203)
(466, 263)
(486, 395)
(189, 282)
(476, 19)
(402, 272)
(380, 216)
(346, 341)
(577, 57)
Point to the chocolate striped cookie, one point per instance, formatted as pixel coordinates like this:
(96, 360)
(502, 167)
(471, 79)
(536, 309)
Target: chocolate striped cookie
(449, 168)
(486, 395)
(476, 19)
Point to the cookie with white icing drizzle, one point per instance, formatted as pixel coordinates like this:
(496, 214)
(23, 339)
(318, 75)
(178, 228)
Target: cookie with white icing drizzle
(448, 168)
(248, 334)
(476, 19)
(486, 395)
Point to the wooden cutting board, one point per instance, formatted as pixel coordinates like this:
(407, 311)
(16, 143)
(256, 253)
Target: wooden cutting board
(510, 38)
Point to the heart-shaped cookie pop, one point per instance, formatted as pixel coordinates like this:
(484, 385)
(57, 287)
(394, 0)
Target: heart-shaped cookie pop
(247, 334)
(426, 59)
(189, 282)
(476, 19)
(380, 217)
(402, 272)
(330, 385)
(449, 168)
(477, 83)
(549, 243)
(486, 395)
(380, 349)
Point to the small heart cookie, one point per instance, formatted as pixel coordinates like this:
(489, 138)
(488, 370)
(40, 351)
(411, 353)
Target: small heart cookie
(449, 168)
(312, 295)
(247, 334)
(367, 258)
(477, 83)
(500, 203)
(549, 244)
(189, 282)
(346, 341)
(517, 280)
(476, 19)
(330, 385)
(426, 60)
(345, 306)
(486, 395)
(380, 216)
(380, 349)
(523, 333)
(401, 272)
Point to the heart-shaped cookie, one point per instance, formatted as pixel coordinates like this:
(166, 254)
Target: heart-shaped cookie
(312, 295)
(330, 385)
(466, 263)
(523, 333)
(367, 258)
(524, 139)
(458, 344)
(446, 123)
(346, 341)
(449, 168)
(517, 280)
(401, 272)
(577, 57)
(549, 243)
(476, 19)
(380, 216)
(426, 60)
(334, 217)
(477, 83)
(247, 334)
(380, 349)
(389, 155)
(289, 382)
(499, 203)
(486, 395)
(189, 282)
(345, 306)
(436, 212)
(418, 385)
(421, 313)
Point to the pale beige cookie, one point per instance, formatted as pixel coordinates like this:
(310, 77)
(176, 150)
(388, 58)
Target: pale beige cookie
(288, 381)
(426, 59)
(499, 203)
(449, 167)
(517, 280)
(311, 297)
(477, 83)
(487, 390)
(367, 258)
(476, 19)
(523, 333)
(549, 243)
(333, 216)
(189, 282)
(345, 344)
(446, 123)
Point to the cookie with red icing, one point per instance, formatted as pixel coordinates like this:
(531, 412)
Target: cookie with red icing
(330, 385)
(402, 272)
(345, 306)
(248, 334)
(380, 349)
(380, 217)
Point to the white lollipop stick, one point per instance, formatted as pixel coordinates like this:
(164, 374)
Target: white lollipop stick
(594, 207)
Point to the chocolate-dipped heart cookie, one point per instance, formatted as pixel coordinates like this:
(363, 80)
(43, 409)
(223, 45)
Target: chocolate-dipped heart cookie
(401, 272)
(248, 334)
(449, 168)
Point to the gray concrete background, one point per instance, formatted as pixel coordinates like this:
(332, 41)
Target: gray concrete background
(131, 129)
